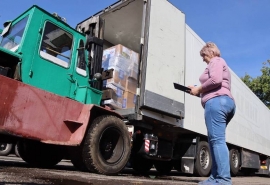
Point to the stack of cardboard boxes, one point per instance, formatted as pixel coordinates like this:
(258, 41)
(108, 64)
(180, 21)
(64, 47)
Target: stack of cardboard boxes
(120, 91)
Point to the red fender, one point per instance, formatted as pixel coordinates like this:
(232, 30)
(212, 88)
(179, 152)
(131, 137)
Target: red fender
(32, 113)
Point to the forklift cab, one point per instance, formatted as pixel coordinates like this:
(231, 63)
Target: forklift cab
(42, 50)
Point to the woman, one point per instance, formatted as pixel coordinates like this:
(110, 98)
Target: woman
(219, 108)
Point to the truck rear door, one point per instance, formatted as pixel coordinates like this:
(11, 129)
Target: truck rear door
(163, 61)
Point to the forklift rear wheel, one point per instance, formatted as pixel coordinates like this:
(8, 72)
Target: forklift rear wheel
(39, 154)
(16, 150)
(106, 148)
(5, 149)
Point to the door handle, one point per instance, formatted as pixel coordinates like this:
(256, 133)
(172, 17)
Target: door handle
(71, 78)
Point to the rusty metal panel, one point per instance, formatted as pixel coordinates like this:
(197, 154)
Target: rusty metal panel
(30, 112)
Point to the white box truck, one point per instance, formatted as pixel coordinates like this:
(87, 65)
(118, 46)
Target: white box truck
(168, 125)
(59, 118)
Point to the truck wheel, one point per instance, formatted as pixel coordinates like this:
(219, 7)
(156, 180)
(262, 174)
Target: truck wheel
(141, 164)
(234, 161)
(5, 149)
(163, 167)
(268, 163)
(16, 150)
(38, 154)
(203, 160)
(107, 145)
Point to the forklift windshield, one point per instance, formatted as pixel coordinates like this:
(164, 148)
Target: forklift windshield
(12, 39)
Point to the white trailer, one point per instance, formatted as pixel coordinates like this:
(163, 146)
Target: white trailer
(171, 120)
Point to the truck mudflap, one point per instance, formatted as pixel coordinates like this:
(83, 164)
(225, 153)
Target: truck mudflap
(29, 112)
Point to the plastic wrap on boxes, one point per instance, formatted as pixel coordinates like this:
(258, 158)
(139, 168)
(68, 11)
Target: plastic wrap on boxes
(120, 73)
(133, 70)
(119, 62)
(118, 56)
(113, 104)
(124, 62)
(113, 96)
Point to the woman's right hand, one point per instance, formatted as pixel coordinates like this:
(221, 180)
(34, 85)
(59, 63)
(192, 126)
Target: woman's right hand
(195, 90)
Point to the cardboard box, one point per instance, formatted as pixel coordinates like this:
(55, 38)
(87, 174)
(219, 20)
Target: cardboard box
(109, 94)
(129, 100)
(117, 98)
(131, 85)
(118, 90)
(119, 78)
(121, 89)
(113, 96)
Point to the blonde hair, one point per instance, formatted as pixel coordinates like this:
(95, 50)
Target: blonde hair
(210, 49)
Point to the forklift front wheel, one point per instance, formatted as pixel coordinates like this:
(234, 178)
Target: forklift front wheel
(106, 147)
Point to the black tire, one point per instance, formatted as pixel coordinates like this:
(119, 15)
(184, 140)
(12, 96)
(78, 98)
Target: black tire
(163, 167)
(76, 158)
(40, 155)
(234, 161)
(5, 149)
(268, 163)
(141, 164)
(106, 147)
(16, 150)
(203, 162)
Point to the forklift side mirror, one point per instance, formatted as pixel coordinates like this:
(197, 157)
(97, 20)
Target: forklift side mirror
(7, 26)
(6, 23)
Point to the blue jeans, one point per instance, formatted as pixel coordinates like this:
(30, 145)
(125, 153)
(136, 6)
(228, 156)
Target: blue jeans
(218, 113)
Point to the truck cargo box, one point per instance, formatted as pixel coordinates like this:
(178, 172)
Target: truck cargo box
(159, 40)
(169, 52)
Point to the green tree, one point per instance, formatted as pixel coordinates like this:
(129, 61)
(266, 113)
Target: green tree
(261, 84)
